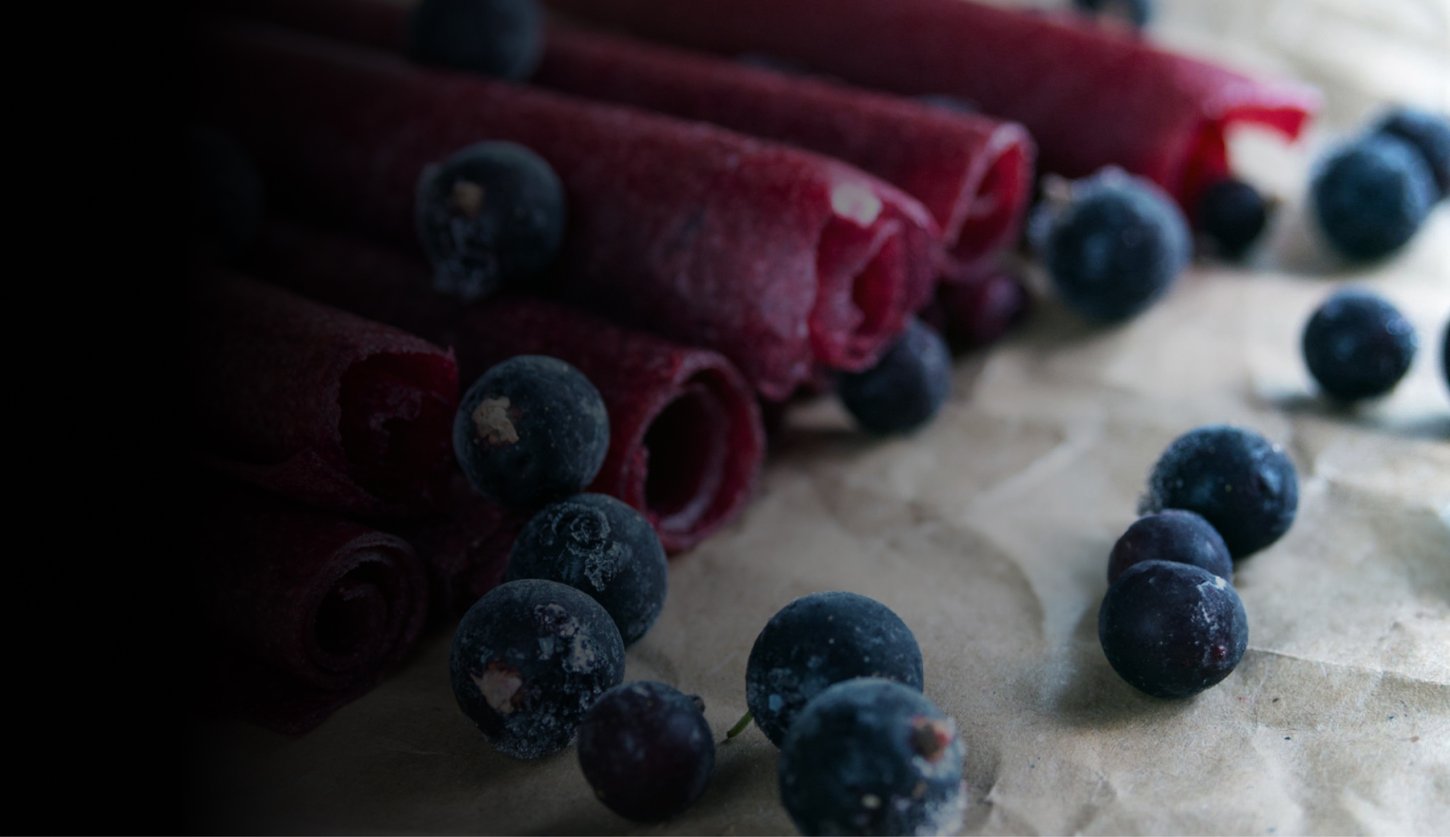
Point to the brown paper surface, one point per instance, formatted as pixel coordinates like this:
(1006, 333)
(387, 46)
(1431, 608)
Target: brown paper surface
(989, 532)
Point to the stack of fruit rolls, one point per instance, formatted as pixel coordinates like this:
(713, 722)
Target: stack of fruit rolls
(317, 405)
(779, 259)
(686, 442)
(1091, 96)
(313, 407)
(972, 172)
(308, 610)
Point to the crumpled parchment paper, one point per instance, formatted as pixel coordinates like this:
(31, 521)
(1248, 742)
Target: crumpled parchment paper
(989, 532)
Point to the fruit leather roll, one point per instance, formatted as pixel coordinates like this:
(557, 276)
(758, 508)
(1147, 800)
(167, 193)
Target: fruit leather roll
(466, 550)
(685, 437)
(973, 173)
(775, 257)
(310, 608)
(316, 404)
(1091, 96)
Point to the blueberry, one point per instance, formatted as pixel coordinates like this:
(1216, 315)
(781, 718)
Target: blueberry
(905, 388)
(502, 38)
(871, 756)
(1171, 535)
(1136, 12)
(530, 430)
(1172, 630)
(597, 544)
(646, 750)
(1115, 247)
(1232, 215)
(1429, 134)
(490, 216)
(225, 190)
(1371, 196)
(1238, 481)
(1357, 345)
(818, 640)
(528, 659)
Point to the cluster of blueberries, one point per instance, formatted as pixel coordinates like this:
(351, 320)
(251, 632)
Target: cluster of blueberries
(586, 576)
(1171, 623)
(1114, 243)
(834, 679)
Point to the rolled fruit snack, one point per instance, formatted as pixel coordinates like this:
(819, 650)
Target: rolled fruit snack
(466, 550)
(1090, 96)
(318, 405)
(777, 258)
(308, 610)
(685, 441)
(973, 173)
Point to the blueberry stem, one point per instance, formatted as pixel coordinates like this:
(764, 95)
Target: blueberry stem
(740, 726)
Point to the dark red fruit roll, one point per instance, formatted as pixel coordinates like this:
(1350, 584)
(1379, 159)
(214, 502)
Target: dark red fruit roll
(1090, 96)
(466, 550)
(310, 609)
(685, 438)
(973, 173)
(316, 404)
(775, 257)
(979, 309)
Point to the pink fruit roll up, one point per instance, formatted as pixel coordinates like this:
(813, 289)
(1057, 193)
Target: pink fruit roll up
(685, 441)
(973, 173)
(307, 610)
(1090, 96)
(777, 258)
(318, 405)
